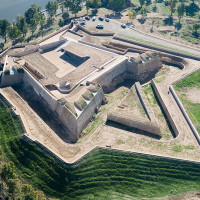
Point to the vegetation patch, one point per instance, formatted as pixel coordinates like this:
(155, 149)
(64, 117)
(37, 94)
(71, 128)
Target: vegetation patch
(193, 109)
(70, 106)
(81, 102)
(189, 82)
(88, 94)
(100, 174)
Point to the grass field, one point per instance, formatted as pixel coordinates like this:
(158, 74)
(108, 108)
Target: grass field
(189, 82)
(102, 174)
(193, 109)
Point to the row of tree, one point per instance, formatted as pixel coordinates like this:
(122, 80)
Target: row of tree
(34, 18)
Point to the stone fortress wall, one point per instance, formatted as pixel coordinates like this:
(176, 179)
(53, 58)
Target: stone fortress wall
(10, 75)
(75, 124)
(126, 68)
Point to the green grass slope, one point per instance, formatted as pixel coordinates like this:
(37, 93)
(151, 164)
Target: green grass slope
(102, 174)
(193, 109)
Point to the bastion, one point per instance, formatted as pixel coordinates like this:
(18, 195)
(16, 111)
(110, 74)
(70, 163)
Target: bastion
(70, 78)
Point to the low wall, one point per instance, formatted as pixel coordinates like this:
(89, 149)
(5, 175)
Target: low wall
(168, 60)
(75, 33)
(145, 102)
(55, 33)
(26, 52)
(98, 47)
(169, 117)
(95, 33)
(51, 46)
(33, 71)
(116, 37)
(192, 127)
(134, 123)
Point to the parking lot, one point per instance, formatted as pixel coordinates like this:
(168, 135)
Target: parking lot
(115, 26)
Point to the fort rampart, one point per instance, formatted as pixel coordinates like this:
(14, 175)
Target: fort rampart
(164, 106)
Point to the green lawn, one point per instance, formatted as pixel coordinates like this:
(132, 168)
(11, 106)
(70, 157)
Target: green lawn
(189, 82)
(102, 174)
(193, 109)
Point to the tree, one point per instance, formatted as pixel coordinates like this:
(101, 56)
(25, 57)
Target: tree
(1, 46)
(67, 4)
(75, 6)
(195, 28)
(42, 23)
(142, 2)
(33, 11)
(8, 171)
(65, 15)
(33, 26)
(143, 12)
(132, 14)
(87, 5)
(22, 26)
(180, 11)
(52, 7)
(14, 33)
(28, 192)
(116, 5)
(172, 5)
(13, 187)
(95, 3)
(4, 28)
(62, 7)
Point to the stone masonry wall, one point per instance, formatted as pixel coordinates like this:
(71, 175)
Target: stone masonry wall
(169, 117)
(89, 111)
(134, 123)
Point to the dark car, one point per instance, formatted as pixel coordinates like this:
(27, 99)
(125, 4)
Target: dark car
(107, 20)
(82, 23)
(101, 18)
(123, 25)
(87, 18)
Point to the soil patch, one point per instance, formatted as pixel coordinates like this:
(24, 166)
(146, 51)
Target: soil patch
(193, 95)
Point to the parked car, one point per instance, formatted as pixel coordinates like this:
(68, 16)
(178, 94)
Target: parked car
(82, 23)
(94, 18)
(123, 25)
(99, 26)
(101, 18)
(87, 18)
(107, 20)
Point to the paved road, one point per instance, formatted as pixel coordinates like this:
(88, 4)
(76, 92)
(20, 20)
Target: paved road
(115, 27)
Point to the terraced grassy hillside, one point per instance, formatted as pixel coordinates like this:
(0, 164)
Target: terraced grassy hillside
(103, 174)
